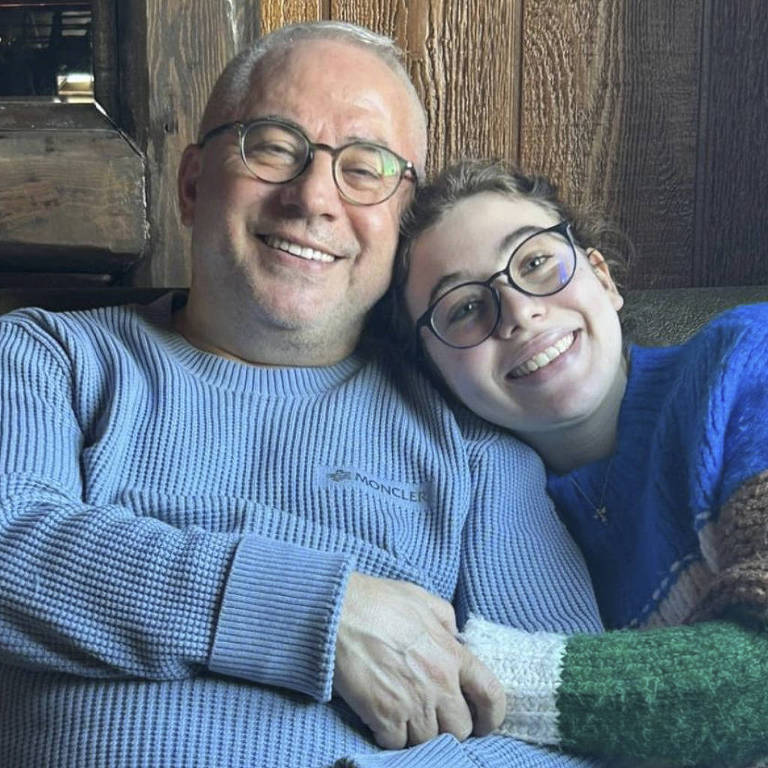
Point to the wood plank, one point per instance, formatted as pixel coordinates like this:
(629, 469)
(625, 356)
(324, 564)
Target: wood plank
(22, 115)
(278, 13)
(60, 299)
(609, 111)
(70, 200)
(731, 221)
(186, 47)
(53, 280)
(464, 60)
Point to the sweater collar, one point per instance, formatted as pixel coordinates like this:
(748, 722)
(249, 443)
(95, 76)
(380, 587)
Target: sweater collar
(237, 376)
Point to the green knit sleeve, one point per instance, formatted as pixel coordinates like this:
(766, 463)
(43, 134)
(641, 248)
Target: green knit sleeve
(688, 695)
(675, 696)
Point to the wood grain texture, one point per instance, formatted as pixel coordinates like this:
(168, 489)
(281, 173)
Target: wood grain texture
(278, 13)
(70, 200)
(463, 59)
(188, 44)
(732, 226)
(609, 111)
(35, 115)
(104, 46)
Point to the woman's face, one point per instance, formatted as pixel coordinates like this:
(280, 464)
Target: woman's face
(572, 339)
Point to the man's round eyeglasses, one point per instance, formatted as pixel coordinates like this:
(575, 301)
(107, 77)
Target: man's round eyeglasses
(277, 152)
(467, 314)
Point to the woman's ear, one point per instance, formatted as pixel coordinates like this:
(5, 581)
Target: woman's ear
(190, 168)
(603, 273)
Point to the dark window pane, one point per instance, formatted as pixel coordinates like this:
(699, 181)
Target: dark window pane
(45, 50)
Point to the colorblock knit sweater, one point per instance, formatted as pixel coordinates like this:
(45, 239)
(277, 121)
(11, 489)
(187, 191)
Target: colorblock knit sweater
(176, 531)
(681, 552)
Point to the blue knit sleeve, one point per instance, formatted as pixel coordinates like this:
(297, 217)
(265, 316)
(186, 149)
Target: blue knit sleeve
(726, 402)
(99, 590)
(520, 565)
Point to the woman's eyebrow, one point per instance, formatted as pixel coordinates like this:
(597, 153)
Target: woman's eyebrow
(516, 236)
(445, 281)
(506, 244)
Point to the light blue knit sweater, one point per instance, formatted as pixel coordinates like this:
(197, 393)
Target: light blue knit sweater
(176, 531)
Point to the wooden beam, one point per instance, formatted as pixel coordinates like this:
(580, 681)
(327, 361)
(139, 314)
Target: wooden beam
(182, 49)
(71, 200)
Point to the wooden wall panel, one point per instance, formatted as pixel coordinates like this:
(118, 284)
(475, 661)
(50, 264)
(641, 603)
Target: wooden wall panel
(464, 60)
(188, 43)
(610, 111)
(276, 14)
(655, 110)
(732, 244)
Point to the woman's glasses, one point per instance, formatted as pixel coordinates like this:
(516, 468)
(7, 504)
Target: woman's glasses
(467, 314)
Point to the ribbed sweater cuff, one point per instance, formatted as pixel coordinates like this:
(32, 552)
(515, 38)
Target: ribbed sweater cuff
(529, 667)
(437, 753)
(279, 616)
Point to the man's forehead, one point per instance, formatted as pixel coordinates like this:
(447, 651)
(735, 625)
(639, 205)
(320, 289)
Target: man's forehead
(336, 86)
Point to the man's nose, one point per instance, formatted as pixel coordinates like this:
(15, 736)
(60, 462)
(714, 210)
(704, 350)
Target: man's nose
(314, 191)
(517, 309)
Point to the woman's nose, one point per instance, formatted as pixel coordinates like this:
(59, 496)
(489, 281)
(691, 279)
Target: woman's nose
(517, 309)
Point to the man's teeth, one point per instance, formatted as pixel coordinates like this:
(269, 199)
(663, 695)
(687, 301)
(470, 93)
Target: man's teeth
(298, 250)
(543, 358)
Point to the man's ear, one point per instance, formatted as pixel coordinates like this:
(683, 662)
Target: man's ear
(603, 274)
(190, 168)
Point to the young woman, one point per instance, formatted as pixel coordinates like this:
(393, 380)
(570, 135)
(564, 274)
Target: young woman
(657, 460)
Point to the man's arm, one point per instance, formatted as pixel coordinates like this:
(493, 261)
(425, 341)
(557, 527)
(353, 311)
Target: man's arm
(98, 590)
(520, 565)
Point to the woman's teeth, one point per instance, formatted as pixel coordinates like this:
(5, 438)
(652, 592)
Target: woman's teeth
(543, 358)
(298, 250)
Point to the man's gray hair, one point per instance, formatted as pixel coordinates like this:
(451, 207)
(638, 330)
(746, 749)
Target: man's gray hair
(233, 86)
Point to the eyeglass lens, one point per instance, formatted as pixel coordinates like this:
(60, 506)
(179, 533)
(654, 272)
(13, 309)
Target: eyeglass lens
(364, 173)
(467, 314)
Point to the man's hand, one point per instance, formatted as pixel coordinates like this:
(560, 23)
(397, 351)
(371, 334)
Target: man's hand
(400, 667)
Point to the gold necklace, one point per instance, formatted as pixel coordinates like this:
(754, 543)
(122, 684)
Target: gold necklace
(600, 511)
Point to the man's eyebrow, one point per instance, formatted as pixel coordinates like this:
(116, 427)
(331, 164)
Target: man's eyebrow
(351, 138)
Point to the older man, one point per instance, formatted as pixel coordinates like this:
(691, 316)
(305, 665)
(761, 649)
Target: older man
(211, 516)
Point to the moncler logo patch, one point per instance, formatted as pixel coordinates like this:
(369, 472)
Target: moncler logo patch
(411, 493)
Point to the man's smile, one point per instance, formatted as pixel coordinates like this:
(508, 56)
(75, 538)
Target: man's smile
(296, 249)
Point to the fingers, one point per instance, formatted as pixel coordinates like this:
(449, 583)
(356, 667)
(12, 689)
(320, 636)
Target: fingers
(422, 728)
(483, 693)
(453, 716)
(391, 735)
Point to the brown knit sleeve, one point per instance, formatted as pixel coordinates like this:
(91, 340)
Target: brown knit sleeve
(737, 546)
